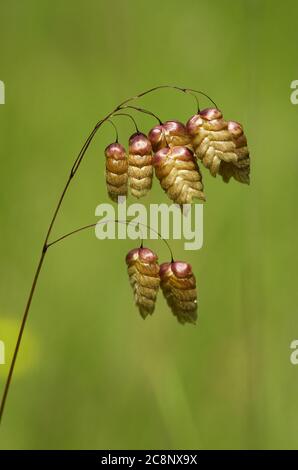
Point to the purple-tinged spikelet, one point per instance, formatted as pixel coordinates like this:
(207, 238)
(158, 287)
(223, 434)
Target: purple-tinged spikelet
(169, 134)
(211, 139)
(143, 271)
(179, 174)
(178, 285)
(140, 169)
(116, 170)
(240, 169)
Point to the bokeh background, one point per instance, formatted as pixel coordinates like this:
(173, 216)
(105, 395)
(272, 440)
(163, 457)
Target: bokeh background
(91, 373)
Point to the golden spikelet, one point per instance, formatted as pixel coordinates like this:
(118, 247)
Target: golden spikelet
(169, 134)
(241, 168)
(140, 169)
(178, 285)
(179, 174)
(116, 171)
(211, 139)
(143, 271)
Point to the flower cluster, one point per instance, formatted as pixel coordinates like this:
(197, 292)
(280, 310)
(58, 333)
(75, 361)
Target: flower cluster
(220, 145)
(176, 280)
(175, 150)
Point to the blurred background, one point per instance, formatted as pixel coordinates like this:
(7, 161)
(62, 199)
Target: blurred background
(91, 373)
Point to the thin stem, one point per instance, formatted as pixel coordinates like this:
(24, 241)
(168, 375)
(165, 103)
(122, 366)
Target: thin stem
(201, 93)
(17, 347)
(196, 98)
(184, 90)
(83, 150)
(72, 173)
(117, 221)
(116, 130)
(130, 116)
(142, 110)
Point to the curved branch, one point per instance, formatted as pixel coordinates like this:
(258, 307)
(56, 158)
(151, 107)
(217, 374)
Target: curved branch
(142, 110)
(129, 116)
(116, 221)
(184, 90)
(115, 128)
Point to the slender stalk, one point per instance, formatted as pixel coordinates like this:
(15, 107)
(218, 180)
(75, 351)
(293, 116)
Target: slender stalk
(116, 221)
(129, 116)
(72, 173)
(184, 90)
(15, 354)
(142, 110)
(190, 90)
(46, 243)
(196, 98)
(116, 130)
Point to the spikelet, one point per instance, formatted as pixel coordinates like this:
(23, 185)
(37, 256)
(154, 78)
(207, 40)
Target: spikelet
(178, 285)
(169, 134)
(179, 174)
(143, 271)
(140, 169)
(211, 139)
(116, 170)
(241, 168)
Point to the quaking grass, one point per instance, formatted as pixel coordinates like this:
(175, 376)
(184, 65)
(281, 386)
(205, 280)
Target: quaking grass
(47, 243)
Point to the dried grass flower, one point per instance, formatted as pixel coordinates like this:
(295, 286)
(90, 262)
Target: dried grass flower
(169, 134)
(143, 271)
(178, 285)
(211, 139)
(240, 169)
(179, 174)
(116, 170)
(140, 169)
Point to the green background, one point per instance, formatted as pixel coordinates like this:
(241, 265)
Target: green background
(91, 372)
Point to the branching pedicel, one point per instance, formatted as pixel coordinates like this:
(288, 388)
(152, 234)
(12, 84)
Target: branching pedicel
(174, 151)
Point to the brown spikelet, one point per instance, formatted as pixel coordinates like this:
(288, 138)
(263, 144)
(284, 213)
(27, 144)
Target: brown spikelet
(211, 139)
(241, 168)
(143, 271)
(169, 134)
(179, 174)
(140, 169)
(116, 171)
(178, 285)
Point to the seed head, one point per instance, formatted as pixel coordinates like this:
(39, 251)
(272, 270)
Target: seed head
(116, 170)
(169, 134)
(178, 285)
(143, 271)
(241, 168)
(140, 169)
(211, 139)
(179, 174)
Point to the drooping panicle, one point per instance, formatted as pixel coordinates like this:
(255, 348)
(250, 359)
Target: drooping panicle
(169, 134)
(178, 285)
(240, 169)
(140, 169)
(179, 174)
(143, 271)
(211, 139)
(116, 170)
